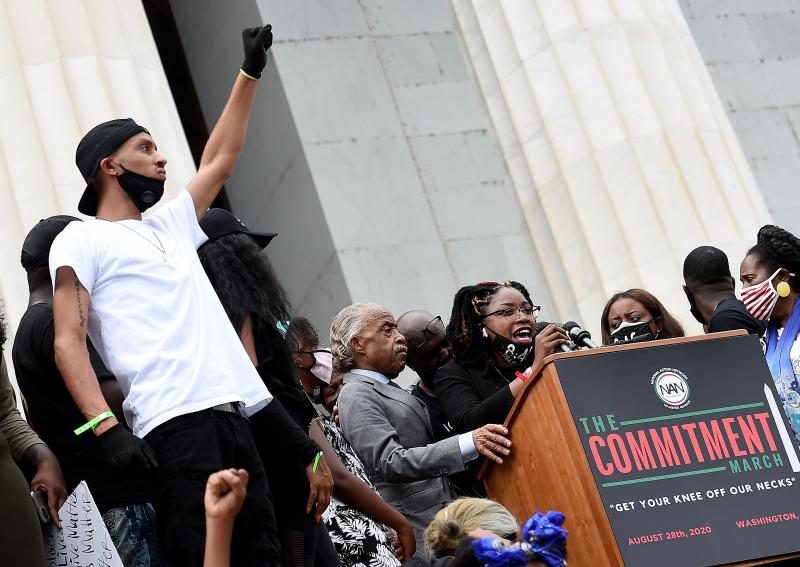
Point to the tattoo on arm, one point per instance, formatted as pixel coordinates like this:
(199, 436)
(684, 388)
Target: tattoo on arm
(81, 315)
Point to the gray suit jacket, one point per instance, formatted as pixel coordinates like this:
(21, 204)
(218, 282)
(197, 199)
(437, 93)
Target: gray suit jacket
(391, 432)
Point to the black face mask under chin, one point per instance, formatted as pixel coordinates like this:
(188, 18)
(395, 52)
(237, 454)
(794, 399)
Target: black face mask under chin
(143, 191)
(513, 354)
(427, 374)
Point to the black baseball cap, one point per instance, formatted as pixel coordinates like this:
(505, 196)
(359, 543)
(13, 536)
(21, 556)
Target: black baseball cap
(36, 247)
(217, 223)
(96, 145)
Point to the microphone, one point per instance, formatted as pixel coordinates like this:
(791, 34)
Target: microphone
(580, 336)
(540, 326)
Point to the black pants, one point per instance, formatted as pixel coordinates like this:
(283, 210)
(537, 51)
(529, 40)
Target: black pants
(189, 448)
(305, 542)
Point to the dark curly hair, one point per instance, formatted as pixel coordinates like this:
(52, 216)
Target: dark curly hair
(778, 248)
(671, 327)
(301, 331)
(243, 279)
(464, 328)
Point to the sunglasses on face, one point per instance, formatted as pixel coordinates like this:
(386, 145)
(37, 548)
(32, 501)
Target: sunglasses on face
(434, 327)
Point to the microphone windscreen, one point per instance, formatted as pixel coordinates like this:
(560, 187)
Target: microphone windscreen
(569, 325)
(540, 326)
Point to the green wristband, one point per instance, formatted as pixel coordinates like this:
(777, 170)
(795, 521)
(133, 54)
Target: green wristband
(316, 462)
(92, 423)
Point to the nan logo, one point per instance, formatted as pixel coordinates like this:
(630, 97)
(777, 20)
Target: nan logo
(672, 387)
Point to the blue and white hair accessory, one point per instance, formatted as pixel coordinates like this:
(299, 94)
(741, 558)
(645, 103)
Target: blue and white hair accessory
(543, 539)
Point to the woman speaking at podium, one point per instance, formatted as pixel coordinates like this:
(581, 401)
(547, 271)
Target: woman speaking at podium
(770, 291)
(491, 330)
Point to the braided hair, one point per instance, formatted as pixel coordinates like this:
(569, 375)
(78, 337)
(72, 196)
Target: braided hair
(302, 332)
(464, 328)
(778, 248)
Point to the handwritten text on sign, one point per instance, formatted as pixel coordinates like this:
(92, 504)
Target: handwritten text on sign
(83, 539)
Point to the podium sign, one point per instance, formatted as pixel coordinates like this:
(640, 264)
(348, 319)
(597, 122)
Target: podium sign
(693, 457)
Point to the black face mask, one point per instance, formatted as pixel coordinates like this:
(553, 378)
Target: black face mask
(693, 308)
(427, 374)
(508, 351)
(144, 191)
(639, 331)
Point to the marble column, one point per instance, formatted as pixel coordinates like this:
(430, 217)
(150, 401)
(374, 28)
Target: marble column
(65, 66)
(616, 140)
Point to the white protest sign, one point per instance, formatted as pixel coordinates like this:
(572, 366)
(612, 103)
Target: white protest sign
(83, 540)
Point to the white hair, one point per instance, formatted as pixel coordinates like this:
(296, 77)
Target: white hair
(345, 326)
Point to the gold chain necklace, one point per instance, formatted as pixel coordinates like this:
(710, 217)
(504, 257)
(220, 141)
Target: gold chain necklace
(160, 247)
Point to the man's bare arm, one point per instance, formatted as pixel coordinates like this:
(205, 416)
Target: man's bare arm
(71, 319)
(227, 139)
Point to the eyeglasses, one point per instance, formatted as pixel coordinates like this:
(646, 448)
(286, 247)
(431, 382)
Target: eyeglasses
(435, 326)
(511, 312)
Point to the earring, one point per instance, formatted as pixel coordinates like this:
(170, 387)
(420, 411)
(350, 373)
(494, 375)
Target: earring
(783, 289)
(484, 333)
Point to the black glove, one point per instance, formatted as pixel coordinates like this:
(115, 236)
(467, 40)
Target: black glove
(257, 42)
(122, 449)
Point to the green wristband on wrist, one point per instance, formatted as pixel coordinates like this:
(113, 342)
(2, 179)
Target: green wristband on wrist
(94, 422)
(316, 462)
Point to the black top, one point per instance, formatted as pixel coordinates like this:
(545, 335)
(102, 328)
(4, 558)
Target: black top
(731, 314)
(473, 396)
(281, 429)
(278, 373)
(55, 416)
(466, 482)
(441, 428)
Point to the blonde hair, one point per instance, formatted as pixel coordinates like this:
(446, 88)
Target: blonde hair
(460, 517)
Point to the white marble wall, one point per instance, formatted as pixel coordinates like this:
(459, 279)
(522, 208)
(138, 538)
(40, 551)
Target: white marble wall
(752, 51)
(65, 66)
(616, 140)
(272, 188)
(407, 168)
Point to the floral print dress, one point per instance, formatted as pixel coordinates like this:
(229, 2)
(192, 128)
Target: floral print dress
(359, 540)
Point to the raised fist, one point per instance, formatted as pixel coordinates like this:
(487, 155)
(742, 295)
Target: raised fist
(257, 42)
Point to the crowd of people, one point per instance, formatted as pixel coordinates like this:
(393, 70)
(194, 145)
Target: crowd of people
(159, 361)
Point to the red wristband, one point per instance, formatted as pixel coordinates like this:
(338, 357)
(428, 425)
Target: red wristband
(521, 376)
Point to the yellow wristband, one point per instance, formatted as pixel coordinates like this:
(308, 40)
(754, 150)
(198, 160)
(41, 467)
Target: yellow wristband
(246, 75)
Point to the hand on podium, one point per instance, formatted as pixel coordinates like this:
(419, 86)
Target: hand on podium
(491, 442)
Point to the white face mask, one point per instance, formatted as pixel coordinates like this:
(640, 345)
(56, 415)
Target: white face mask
(760, 299)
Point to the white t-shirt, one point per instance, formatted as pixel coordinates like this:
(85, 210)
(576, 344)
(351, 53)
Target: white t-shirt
(157, 324)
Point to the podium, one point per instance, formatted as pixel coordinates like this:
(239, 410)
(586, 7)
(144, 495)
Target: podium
(670, 452)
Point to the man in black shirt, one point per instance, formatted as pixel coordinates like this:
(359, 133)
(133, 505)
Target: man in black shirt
(428, 350)
(710, 291)
(122, 498)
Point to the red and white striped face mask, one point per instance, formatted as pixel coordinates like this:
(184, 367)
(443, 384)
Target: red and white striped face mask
(760, 299)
